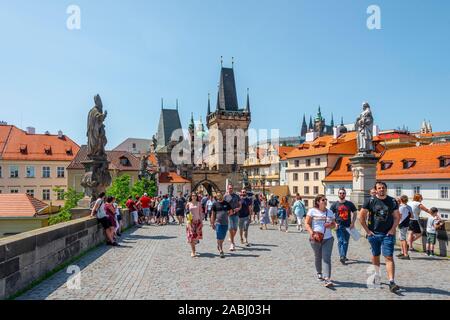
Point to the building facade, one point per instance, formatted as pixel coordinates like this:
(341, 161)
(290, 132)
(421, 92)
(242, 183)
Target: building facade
(120, 163)
(137, 147)
(310, 162)
(35, 164)
(406, 171)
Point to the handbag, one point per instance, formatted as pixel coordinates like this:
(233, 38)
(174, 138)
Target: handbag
(318, 236)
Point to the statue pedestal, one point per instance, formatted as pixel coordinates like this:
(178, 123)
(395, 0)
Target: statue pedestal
(85, 202)
(364, 168)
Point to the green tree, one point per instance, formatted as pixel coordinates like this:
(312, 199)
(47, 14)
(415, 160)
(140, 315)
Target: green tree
(145, 186)
(120, 189)
(71, 198)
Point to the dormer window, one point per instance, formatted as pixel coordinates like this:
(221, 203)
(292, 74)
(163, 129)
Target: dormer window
(23, 149)
(444, 161)
(69, 151)
(408, 163)
(386, 165)
(349, 167)
(48, 150)
(124, 161)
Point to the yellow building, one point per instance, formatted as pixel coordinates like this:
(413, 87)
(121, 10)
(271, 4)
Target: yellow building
(35, 164)
(120, 163)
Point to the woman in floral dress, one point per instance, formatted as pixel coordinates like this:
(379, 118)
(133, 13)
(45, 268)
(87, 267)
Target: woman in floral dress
(194, 224)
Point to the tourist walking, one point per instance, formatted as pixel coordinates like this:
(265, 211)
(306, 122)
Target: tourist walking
(219, 221)
(204, 201)
(256, 208)
(244, 217)
(319, 222)
(273, 209)
(383, 219)
(405, 216)
(284, 213)
(209, 205)
(233, 219)
(414, 225)
(264, 213)
(346, 213)
(433, 223)
(180, 205)
(140, 212)
(194, 224)
(299, 211)
(172, 211)
(131, 205)
(165, 207)
(144, 202)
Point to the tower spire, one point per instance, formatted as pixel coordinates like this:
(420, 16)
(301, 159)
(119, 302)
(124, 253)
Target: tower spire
(221, 61)
(209, 105)
(177, 105)
(232, 62)
(304, 128)
(247, 107)
(162, 103)
(332, 120)
(342, 121)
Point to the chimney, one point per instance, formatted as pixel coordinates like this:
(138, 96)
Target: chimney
(47, 133)
(376, 130)
(336, 132)
(60, 134)
(311, 136)
(31, 130)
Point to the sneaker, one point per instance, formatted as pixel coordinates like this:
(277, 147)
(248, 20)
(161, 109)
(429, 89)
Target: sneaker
(342, 260)
(393, 287)
(232, 248)
(328, 283)
(115, 244)
(320, 277)
(399, 255)
(404, 257)
(247, 244)
(432, 254)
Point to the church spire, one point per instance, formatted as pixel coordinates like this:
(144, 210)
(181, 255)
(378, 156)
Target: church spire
(311, 126)
(342, 121)
(177, 105)
(162, 103)
(304, 128)
(247, 106)
(332, 121)
(209, 105)
(192, 124)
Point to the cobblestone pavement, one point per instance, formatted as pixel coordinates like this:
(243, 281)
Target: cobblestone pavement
(154, 263)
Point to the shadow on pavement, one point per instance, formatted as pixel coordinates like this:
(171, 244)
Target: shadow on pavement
(344, 284)
(425, 290)
(252, 248)
(133, 236)
(263, 245)
(239, 255)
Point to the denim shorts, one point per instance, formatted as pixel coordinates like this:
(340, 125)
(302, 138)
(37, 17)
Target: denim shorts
(146, 212)
(382, 242)
(244, 223)
(233, 222)
(221, 231)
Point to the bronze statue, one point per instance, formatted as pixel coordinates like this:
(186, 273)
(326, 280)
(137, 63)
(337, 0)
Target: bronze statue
(364, 129)
(96, 130)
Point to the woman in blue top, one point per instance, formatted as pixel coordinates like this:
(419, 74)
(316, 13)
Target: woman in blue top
(299, 211)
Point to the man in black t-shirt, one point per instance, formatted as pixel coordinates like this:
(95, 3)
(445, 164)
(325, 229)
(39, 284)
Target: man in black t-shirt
(346, 213)
(180, 207)
(244, 217)
(384, 218)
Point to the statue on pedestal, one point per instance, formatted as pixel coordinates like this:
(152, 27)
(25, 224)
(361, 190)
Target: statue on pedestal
(97, 177)
(364, 129)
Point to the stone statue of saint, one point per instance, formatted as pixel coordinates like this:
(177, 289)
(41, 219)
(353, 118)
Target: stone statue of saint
(154, 143)
(96, 131)
(364, 129)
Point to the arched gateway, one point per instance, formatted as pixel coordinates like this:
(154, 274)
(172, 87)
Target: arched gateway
(206, 186)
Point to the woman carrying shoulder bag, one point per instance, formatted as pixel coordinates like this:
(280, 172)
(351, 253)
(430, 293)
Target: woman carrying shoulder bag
(319, 223)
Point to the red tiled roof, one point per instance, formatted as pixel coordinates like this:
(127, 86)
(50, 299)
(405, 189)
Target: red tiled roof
(345, 144)
(152, 160)
(172, 177)
(16, 144)
(426, 165)
(113, 158)
(20, 205)
(284, 151)
(434, 134)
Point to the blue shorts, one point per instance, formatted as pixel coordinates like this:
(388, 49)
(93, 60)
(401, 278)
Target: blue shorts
(221, 231)
(164, 213)
(233, 222)
(380, 242)
(146, 211)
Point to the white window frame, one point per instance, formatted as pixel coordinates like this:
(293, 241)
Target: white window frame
(331, 189)
(414, 187)
(33, 171)
(44, 194)
(16, 175)
(443, 187)
(397, 188)
(58, 175)
(44, 170)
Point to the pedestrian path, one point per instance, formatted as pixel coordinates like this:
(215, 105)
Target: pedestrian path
(154, 263)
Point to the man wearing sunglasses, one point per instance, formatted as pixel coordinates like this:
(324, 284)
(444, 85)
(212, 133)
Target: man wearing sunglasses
(346, 213)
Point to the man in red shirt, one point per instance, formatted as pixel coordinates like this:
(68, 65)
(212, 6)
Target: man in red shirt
(145, 203)
(131, 205)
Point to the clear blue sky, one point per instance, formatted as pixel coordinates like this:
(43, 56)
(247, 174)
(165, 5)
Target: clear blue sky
(293, 55)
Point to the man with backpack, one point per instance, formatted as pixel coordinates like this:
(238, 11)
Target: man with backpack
(383, 220)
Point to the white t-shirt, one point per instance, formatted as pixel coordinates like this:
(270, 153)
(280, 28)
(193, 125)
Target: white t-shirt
(415, 206)
(101, 213)
(319, 219)
(404, 211)
(431, 228)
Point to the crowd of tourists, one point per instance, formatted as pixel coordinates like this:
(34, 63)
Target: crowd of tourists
(380, 217)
